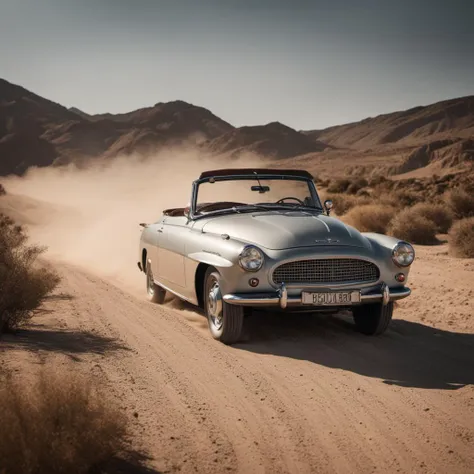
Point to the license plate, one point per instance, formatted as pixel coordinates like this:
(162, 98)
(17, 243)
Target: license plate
(334, 298)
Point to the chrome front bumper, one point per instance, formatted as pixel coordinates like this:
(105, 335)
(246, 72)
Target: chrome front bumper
(280, 298)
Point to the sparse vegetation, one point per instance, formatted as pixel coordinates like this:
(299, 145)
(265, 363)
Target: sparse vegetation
(410, 225)
(2, 190)
(370, 217)
(23, 285)
(404, 198)
(58, 424)
(461, 203)
(461, 238)
(440, 214)
(345, 202)
(357, 185)
(338, 185)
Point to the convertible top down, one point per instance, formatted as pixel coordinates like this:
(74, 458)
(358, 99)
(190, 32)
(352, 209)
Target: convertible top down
(261, 238)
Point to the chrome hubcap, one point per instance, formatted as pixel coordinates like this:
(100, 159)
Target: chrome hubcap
(214, 305)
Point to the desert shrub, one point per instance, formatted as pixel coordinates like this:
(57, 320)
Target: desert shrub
(461, 238)
(381, 184)
(2, 190)
(363, 193)
(338, 185)
(370, 217)
(57, 424)
(461, 202)
(440, 214)
(342, 203)
(23, 286)
(404, 198)
(357, 185)
(377, 180)
(413, 227)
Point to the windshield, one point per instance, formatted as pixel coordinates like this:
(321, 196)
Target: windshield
(239, 195)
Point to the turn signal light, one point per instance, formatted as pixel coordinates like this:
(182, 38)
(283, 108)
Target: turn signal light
(400, 277)
(253, 282)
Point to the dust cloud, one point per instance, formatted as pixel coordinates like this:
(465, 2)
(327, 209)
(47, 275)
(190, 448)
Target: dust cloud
(90, 217)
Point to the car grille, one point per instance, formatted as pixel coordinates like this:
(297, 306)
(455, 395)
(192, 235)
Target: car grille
(334, 270)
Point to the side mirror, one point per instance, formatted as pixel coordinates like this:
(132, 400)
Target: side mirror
(328, 206)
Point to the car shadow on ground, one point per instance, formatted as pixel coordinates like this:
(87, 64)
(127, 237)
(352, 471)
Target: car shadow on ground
(409, 354)
(69, 342)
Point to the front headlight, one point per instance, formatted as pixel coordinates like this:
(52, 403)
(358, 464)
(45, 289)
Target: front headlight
(403, 254)
(251, 259)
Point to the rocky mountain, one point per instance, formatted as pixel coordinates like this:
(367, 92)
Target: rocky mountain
(416, 126)
(38, 132)
(273, 140)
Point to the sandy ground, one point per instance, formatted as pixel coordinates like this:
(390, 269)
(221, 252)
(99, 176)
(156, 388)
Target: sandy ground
(300, 394)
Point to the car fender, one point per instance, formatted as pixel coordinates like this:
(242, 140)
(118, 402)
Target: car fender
(210, 258)
(382, 246)
(381, 241)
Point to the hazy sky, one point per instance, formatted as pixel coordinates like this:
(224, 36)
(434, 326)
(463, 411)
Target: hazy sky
(308, 64)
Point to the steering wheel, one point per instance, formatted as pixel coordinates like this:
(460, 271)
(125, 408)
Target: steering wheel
(282, 200)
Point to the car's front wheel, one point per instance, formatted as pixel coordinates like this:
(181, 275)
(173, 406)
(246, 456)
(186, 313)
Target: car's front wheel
(373, 319)
(225, 321)
(155, 293)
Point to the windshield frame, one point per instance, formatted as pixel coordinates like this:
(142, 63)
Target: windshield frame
(253, 177)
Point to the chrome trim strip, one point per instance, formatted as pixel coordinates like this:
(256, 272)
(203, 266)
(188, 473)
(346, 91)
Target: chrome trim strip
(320, 220)
(284, 300)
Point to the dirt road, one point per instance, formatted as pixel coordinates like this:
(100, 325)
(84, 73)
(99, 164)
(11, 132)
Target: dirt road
(304, 394)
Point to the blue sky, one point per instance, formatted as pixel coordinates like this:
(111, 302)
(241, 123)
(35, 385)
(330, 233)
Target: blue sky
(308, 64)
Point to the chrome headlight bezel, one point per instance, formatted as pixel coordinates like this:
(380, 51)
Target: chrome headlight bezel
(251, 253)
(409, 250)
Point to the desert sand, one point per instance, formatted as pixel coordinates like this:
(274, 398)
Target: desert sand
(299, 394)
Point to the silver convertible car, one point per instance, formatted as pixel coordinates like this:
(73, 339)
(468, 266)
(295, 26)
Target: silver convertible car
(261, 238)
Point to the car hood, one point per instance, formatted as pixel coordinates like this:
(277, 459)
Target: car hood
(282, 230)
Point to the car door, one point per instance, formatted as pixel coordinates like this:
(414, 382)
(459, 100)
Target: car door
(171, 251)
(152, 244)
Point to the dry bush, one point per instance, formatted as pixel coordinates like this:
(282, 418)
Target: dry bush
(440, 214)
(403, 198)
(377, 180)
(357, 185)
(23, 286)
(57, 425)
(461, 238)
(370, 217)
(413, 227)
(338, 185)
(461, 202)
(342, 203)
(2, 190)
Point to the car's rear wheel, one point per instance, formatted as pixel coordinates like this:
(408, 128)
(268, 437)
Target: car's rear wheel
(155, 293)
(373, 319)
(225, 320)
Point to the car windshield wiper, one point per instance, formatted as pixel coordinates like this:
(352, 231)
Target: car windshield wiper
(288, 205)
(251, 207)
(274, 206)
